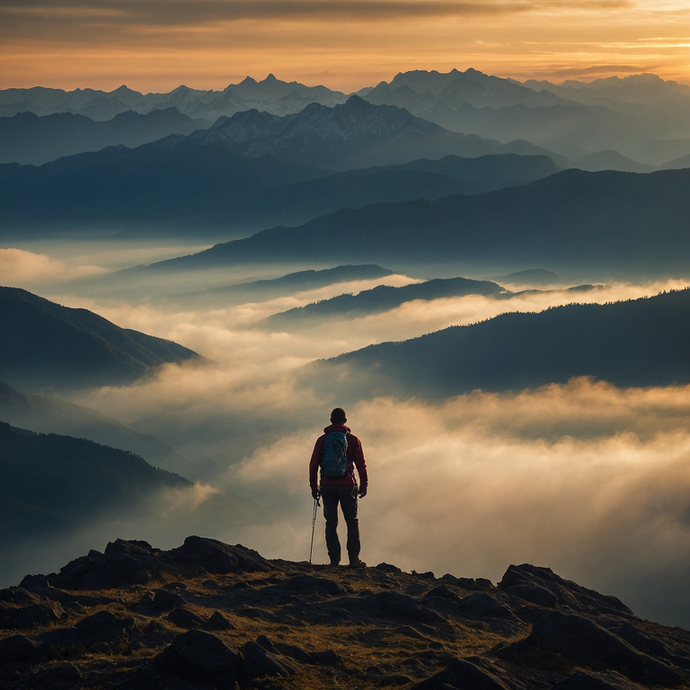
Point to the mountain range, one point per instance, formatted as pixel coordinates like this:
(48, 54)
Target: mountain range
(256, 170)
(353, 134)
(636, 343)
(45, 345)
(634, 115)
(270, 95)
(639, 116)
(380, 299)
(57, 484)
(49, 415)
(616, 221)
(27, 138)
(268, 288)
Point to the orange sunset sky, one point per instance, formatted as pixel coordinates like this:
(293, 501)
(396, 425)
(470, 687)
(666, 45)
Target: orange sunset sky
(156, 45)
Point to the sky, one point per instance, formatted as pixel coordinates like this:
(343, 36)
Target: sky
(156, 45)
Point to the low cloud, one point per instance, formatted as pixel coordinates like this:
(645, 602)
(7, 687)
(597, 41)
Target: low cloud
(470, 486)
(21, 268)
(588, 479)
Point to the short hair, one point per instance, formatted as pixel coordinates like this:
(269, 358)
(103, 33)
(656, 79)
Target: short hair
(338, 416)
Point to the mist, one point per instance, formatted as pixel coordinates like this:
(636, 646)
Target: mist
(585, 478)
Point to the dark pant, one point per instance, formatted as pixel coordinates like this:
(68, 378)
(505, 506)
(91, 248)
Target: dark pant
(346, 495)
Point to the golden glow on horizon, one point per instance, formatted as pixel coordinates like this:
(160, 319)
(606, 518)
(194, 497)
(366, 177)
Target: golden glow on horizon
(156, 45)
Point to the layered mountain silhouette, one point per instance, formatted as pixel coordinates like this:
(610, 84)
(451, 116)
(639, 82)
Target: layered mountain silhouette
(180, 186)
(54, 483)
(54, 416)
(265, 289)
(570, 130)
(45, 345)
(611, 160)
(270, 94)
(418, 89)
(619, 221)
(381, 298)
(574, 119)
(628, 94)
(354, 134)
(678, 163)
(640, 342)
(28, 139)
(207, 613)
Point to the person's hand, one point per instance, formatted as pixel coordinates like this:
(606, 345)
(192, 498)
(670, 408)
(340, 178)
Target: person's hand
(315, 494)
(362, 491)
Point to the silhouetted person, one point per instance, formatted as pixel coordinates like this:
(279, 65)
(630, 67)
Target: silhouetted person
(336, 454)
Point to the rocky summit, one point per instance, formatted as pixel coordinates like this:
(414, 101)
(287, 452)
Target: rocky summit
(210, 615)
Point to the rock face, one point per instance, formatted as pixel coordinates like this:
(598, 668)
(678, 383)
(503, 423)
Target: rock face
(211, 615)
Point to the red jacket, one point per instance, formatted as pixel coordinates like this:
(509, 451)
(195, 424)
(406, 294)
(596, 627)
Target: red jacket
(354, 454)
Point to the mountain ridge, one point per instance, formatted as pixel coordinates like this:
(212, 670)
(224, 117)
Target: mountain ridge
(353, 134)
(49, 415)
(176, 184)
(27, 138)
(58, 482)
(225, 615)
(43, 344)
(603, 219)
(633, 343)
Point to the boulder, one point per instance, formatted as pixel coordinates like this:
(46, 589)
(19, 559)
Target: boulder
(218, 621)
(396, 604)
(124, 563)
(18, 596)
(317, 585)
(200, 656)
(581, 642)
(528, 582)
(19, 649)
(164, 600)
(533, 593)
(258, 662)
(30, 616)
(441, 592)
(102, 632)
(214, 556)
(483, 604)
(463, 675)
(183, 618)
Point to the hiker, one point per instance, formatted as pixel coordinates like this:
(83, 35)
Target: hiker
(336, 454)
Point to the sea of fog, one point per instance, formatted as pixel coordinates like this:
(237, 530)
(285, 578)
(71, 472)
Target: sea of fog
(585, 478)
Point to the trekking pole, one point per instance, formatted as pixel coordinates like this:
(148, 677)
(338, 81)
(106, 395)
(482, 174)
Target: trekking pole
(313, 524)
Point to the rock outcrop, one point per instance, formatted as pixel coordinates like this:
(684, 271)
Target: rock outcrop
(211, 615)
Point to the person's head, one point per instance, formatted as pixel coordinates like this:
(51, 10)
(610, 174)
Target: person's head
(338, 416)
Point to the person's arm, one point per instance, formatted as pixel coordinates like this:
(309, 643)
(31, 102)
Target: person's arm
(361, 465)
(314, 468)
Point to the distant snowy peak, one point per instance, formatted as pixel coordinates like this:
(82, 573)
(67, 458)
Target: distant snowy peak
(271, 95)
(419, 89)
(243, 127)
(354, 119)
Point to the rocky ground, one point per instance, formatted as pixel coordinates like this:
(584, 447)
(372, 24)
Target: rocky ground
(209, 615)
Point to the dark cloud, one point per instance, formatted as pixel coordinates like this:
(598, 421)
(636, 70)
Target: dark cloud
(178, 12)
(200, 12)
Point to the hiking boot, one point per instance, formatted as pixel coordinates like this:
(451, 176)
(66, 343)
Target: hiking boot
(334, 564)
(357, 562)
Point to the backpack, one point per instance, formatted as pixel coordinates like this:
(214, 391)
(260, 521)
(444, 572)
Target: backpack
(333, 456)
